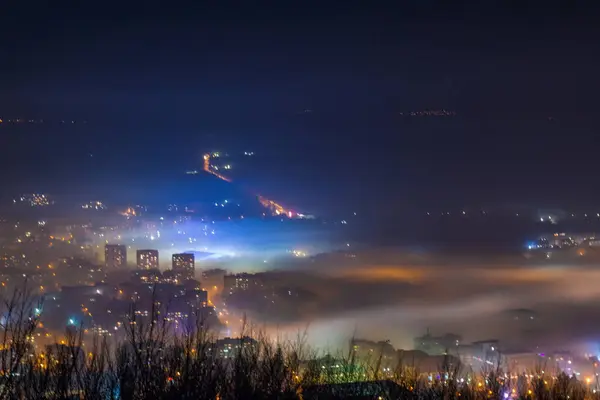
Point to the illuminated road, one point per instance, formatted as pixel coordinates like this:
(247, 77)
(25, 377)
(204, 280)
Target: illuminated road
(274, 207)
(207, 168)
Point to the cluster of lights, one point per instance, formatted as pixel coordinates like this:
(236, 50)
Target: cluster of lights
(35, 121)
(98, 330)
(542, 219)
(22, 121)
(129, 212)
(176, 316)
(141, 313)
(562, 240)
(430, 113)
(94, 205)
(150, 279)
(299, 253)
(34, 200)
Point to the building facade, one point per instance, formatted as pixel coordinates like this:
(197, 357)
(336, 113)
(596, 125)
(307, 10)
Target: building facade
(147, 259)
(115, 256)
(184, 265)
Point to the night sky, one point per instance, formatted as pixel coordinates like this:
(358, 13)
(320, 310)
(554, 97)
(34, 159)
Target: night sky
(159, 86)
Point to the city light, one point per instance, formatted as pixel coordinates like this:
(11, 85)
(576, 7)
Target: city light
(149, 252)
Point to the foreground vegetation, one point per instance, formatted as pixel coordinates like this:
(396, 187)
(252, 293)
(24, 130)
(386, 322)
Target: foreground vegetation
(155, 361)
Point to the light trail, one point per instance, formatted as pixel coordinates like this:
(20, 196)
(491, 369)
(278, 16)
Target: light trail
(274, 207)
(210, 170)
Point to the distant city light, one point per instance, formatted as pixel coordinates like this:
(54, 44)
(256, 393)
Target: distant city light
(35, 200)
(94, 205)
(298, 253)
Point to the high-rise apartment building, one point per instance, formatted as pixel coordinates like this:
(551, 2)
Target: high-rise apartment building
(183, 265)
(115, 256)
(147, 259)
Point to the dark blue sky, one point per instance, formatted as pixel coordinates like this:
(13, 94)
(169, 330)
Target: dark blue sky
(160, 85)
